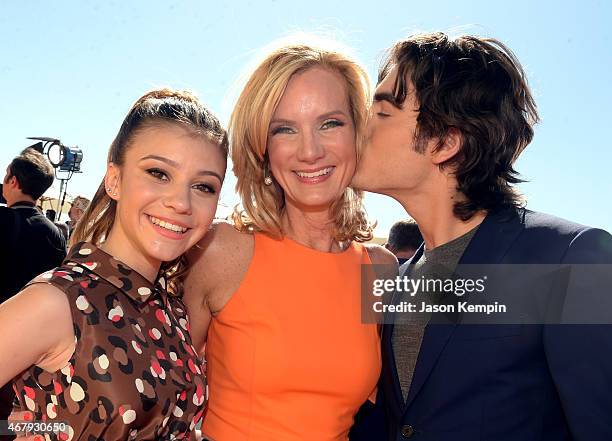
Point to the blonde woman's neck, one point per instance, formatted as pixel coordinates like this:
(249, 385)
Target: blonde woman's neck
(312, 229)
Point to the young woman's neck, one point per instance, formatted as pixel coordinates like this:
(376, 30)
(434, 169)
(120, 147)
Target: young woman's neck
(431, 206)
(121, 248)
(313, 229)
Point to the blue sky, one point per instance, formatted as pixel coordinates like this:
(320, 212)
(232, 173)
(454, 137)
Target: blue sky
(71, 70)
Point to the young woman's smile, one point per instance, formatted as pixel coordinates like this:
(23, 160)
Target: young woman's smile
(167, 191)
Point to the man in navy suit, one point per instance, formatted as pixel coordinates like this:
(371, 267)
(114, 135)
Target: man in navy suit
(449, 119)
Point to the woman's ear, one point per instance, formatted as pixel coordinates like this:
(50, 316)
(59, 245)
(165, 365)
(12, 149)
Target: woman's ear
(111, 181)
(448, 148)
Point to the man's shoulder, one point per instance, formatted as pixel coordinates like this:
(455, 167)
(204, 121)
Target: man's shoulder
(5, 211)
(6, 219)
(535, 220)
(38, 226)
(548, 235)
(551, 227)
(532, 224)
(39, 221)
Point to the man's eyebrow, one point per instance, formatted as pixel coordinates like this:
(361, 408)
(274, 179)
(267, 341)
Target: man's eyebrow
(388, 97)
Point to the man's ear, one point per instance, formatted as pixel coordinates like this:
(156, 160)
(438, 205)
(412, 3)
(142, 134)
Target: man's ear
(448, 147)
(13, 183)
(389, 247)
(111, 180)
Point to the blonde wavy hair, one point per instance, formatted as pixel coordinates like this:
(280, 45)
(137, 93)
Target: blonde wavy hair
(263, 205)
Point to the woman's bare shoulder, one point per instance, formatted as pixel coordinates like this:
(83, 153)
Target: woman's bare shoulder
(39, 316)
(222, 241)
(221, 257)
(45, 300)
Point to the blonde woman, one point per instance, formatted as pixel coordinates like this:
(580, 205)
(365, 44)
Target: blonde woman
(276, 296)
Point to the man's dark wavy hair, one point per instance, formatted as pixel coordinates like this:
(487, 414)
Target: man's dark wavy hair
(33, 172)
(476, 86)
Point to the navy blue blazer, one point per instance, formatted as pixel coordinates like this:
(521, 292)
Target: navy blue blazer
(515, 382)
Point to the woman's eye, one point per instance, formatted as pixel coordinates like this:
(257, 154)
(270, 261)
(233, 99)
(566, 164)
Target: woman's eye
(205, 188)
(382, 114)
(158, 174)
(282, 129)
(330, 124)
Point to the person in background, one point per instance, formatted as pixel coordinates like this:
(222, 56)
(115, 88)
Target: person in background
(30, 243)
(404, 239)
(64, 230)
(51, 214)
(77, 208)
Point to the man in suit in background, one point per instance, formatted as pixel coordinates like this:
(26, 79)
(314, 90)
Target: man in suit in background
(449, 119)
(404, 240)
(30, 244)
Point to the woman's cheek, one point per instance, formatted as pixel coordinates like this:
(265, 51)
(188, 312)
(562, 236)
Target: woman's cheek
(207, 211)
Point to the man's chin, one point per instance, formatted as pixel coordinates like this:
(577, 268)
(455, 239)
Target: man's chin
(362, 183)
(358, 183)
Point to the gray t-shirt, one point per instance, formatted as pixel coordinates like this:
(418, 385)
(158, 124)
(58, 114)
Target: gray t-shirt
(439, 263)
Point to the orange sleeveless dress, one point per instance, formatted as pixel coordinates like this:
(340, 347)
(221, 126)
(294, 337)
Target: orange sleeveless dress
(288, 357)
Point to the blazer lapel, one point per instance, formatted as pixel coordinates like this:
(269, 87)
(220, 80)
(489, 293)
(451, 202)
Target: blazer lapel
(390, 378)
(434, 340)
(390, 375)
(494, 237)
(490, 244)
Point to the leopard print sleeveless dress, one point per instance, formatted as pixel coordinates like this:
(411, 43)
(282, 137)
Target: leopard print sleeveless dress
(135, 374)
